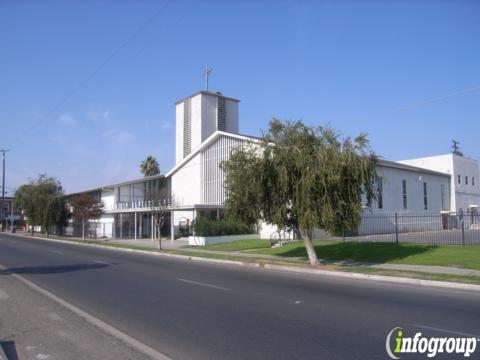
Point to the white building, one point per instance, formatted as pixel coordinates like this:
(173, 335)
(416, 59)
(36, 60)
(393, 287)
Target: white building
(464, 187)
(207, 132)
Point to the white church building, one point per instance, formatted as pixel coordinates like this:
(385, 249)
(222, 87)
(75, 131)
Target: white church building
(207, 130)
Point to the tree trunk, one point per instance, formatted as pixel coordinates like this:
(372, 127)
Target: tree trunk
(32, 229)
(83, 230)
(312, 255)
(159, 237)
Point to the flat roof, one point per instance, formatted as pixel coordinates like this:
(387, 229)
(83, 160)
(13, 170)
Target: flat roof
(464, 157)
(111, 186)
(205, 92)
(397, 165)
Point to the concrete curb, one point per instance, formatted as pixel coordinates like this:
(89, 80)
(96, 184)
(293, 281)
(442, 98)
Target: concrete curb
(145, 252)
(382, 278)
(294, 269)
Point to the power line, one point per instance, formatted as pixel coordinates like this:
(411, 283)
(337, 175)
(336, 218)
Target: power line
(435, 99)
(115, 52)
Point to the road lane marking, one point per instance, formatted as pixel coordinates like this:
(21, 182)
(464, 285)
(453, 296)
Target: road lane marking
(42, 356)
(203, 284)
(3, 294)
(445, 330)
(136, 344)
(57, 252)
(100, 262)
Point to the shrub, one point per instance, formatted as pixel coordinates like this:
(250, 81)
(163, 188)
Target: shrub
(206, 227)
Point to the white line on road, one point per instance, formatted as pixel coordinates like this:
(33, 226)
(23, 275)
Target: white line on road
(101, 262)
(57, 252)
(444, 330)
(136, 344)
(203, 284)
(3, 294)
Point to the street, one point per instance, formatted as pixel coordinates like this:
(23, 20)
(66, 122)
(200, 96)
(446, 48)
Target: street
(193, 310)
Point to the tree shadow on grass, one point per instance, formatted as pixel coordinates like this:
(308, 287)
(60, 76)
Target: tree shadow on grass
(54, 269)
(361, 252)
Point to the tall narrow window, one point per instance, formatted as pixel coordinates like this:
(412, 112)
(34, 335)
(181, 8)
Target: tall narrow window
(442, 195)
(404, 194)
(459, 179)
(425, 196)
(473, 181)
(466, 180)
(379, 181)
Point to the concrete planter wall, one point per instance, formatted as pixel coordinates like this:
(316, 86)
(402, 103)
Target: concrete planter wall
(208, 240)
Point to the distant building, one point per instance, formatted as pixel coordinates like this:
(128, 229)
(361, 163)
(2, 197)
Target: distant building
(407, 188)
(464, 172)
(6, 213)
(207, 132)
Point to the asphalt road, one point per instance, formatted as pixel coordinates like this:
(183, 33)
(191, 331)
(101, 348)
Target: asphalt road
(191, 310)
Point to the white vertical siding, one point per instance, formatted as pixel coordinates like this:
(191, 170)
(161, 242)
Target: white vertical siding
(212, 176)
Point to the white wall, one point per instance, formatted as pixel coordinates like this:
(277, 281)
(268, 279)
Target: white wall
(231, 108)
(106, 226)
(466, 195)
(186, 188)
(196, 121)
(179, 216)
(462, 195)
(108, 200)
(208, 240)
(392, 190)
(209, 115)
(178, 132)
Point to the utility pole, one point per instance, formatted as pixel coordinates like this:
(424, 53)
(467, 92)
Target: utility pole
(3, 151)
(456, 148)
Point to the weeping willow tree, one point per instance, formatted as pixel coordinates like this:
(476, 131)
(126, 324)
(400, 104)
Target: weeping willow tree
(301, 178)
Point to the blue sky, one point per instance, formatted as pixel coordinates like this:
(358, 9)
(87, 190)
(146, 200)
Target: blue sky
(87, 88)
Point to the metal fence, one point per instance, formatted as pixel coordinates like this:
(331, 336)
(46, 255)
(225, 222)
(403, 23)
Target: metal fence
(420, 228)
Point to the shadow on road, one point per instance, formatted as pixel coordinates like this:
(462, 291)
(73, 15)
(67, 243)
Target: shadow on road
(57, 269)
(9, 350)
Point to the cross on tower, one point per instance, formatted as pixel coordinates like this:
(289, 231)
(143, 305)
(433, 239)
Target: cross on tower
(206, 73)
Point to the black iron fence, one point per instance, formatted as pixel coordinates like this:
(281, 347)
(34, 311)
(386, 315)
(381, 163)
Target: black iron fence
(421, 228)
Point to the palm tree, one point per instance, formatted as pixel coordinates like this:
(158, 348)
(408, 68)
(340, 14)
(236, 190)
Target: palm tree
(149, 166)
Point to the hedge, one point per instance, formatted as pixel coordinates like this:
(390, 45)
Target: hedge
(206, 227)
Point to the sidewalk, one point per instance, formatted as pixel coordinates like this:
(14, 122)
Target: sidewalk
(402, 267)
(181, 246)
(167, 244)
(33, 326)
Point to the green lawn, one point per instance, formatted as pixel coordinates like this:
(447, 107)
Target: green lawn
(240, 245)
(445, 255)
